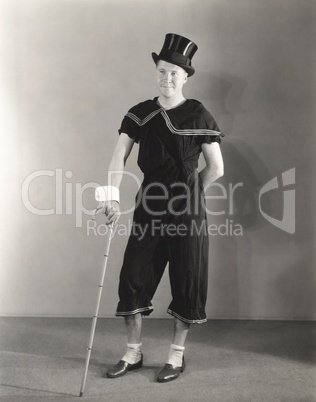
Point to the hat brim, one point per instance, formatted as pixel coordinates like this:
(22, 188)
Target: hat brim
(189, 69)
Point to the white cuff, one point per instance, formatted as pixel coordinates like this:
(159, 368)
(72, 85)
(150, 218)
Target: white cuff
(107, 193)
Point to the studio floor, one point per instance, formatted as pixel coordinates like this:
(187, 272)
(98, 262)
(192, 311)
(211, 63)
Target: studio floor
(227, 360)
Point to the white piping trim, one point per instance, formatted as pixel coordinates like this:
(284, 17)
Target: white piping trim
(139, 310)
(184, 319)
(192, 131)
(145, 120)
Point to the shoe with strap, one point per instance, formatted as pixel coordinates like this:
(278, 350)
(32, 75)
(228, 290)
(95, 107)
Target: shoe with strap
(170, 372)
(122, 367)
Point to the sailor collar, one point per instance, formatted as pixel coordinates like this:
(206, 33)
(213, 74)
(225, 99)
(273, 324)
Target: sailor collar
(142, 113)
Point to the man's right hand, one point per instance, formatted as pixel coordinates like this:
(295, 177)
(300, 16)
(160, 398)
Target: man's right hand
(112, 211)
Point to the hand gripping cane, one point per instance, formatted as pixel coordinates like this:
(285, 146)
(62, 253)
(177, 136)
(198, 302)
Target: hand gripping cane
(95, 317)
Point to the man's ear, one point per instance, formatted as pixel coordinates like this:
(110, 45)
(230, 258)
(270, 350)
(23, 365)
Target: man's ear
(186, 78)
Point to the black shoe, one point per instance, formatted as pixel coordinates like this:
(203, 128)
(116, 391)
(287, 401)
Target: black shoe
(170, 372)
(122, 367)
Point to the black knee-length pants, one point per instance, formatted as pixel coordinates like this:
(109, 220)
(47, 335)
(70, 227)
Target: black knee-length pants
(180, 240)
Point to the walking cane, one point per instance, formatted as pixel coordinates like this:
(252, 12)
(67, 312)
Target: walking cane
(95, 317)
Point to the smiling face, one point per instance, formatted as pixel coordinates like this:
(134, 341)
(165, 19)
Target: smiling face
(170, 79)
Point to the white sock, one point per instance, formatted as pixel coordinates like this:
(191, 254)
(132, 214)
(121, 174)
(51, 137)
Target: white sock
(176, 355)
(133, 353)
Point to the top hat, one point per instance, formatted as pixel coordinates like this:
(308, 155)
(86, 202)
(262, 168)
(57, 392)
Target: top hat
(177, 50)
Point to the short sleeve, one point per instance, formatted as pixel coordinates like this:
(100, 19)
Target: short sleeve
(129, 127)
(208, 122)
(207, 139)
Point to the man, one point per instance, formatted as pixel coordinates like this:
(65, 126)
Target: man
(169, 218)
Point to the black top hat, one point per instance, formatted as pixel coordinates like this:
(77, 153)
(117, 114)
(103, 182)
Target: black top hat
(177, 50)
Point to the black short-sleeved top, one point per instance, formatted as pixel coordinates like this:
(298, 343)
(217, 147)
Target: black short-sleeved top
(169, 140)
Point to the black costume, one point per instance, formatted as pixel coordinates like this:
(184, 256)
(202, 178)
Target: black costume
(169, 223)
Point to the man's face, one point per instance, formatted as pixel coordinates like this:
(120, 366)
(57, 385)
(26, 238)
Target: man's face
(170, 79)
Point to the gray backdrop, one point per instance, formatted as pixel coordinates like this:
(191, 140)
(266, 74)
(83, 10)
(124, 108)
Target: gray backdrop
(69, 72)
